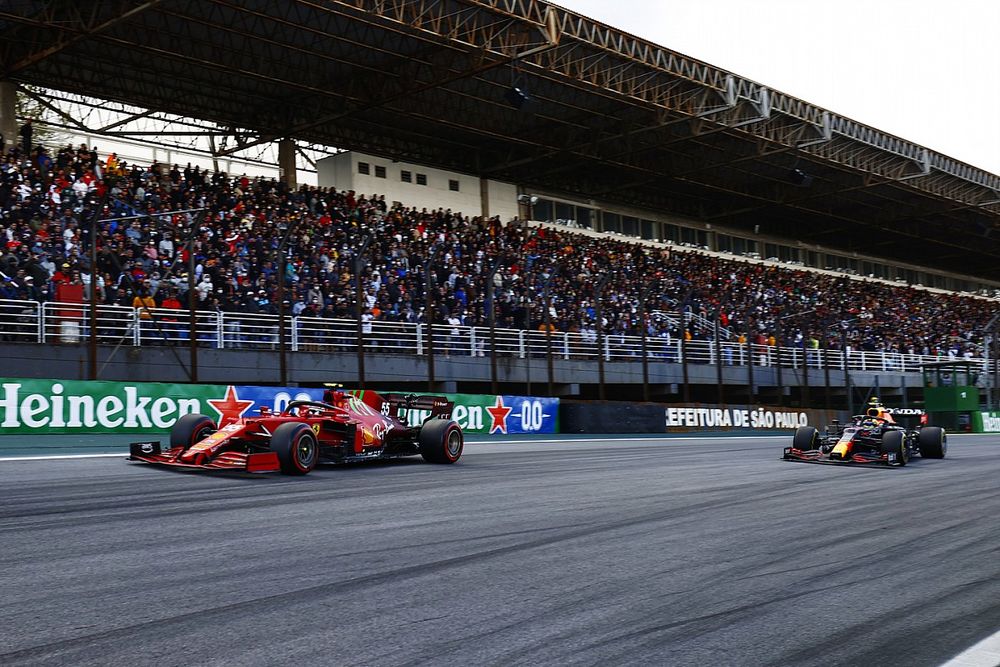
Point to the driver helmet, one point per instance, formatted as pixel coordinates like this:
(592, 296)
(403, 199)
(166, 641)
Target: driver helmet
(333, 396)
(875, 408)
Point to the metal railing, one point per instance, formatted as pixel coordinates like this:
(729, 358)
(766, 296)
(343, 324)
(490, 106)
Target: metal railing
(69, 323)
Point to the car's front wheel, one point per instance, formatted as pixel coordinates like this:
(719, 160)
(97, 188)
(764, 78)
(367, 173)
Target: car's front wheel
(893, 442)
(296, 447)
(805, 438)
(190, 429)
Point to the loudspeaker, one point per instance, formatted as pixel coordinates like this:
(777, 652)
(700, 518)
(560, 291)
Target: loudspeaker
(518, 98)
(800, 178)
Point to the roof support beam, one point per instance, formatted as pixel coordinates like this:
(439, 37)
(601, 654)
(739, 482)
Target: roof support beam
(72, 36)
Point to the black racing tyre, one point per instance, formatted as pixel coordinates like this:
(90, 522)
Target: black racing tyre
(441, 441)
(894, 442)
(805, 438)
(189, 429)
(296, 447)
(932, 442)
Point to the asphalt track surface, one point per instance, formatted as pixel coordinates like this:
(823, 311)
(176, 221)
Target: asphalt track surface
(660, 552)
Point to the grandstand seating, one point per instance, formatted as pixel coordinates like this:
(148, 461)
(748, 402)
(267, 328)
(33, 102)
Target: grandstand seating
(47, 202)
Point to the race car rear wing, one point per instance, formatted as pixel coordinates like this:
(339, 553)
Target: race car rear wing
(439, 406)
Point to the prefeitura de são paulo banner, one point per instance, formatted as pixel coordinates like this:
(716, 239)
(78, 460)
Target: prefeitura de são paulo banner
(706, 417)
(67, 406)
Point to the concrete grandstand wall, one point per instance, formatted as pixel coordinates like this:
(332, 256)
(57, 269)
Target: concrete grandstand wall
(342, 172)
(572, 377)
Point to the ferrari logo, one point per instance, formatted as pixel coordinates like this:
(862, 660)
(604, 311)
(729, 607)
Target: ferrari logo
(315, 428)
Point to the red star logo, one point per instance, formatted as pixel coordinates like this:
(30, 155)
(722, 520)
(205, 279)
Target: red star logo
(230, 409)
(498, 414)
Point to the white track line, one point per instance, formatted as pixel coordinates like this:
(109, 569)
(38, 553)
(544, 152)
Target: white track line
(983, 654)
(124, 452)
(50, 457)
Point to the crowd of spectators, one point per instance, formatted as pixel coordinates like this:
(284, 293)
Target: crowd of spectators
(256, 232)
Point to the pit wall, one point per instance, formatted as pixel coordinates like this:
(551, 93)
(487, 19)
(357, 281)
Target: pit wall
(40, 407)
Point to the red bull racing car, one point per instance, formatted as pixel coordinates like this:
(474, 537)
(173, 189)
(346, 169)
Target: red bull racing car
(874, 437)
(342, 428)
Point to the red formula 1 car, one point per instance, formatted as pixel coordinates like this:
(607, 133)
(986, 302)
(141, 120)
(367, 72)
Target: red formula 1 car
(342, 428)
(874, 437)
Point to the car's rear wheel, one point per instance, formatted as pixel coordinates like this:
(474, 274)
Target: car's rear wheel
(932, 442)
(894, 442)
(296, 447)
(441, 441)
(805, 438)
(190, 429)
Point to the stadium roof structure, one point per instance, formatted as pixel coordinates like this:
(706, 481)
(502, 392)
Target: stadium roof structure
(597, 113)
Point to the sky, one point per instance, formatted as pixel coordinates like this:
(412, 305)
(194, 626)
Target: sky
(926, 71)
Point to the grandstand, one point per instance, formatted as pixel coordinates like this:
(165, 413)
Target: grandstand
(638, 131)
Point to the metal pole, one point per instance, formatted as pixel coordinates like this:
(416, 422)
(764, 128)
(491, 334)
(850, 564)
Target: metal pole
(547, 301)
(429, 313)
(750, 393)
(777, 359)
(826, 371)
(282, 351)
(683, 342)
(192, 302)
(358, 309)
(718, 357)
(805, 372)
(92, 342)
(643, 295)
(598, 291)
(989, 390)
(684, 359)
(996, 361)
(847, 372)
(527, 346)
(490, 298)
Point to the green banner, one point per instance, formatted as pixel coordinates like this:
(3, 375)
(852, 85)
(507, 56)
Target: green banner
(68, 406)
(986, 422)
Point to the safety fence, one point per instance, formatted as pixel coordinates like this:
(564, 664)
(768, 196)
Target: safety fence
(70, 323)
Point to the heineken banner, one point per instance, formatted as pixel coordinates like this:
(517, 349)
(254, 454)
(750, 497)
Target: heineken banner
(66, 406)
(488, 413)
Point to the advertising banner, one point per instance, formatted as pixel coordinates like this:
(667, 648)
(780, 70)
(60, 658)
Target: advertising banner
(67, 406)
(986, 422)
(490, 414)
(738, 417)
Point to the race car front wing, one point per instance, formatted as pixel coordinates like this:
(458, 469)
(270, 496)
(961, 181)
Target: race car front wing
(152, 452)
(818, 456)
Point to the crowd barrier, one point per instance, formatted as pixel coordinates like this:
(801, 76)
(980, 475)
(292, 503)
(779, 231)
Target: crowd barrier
(70, 324)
